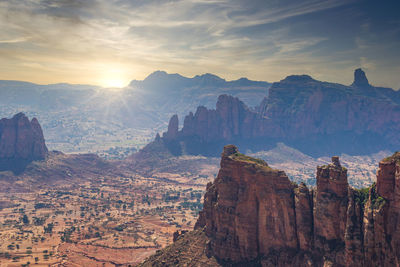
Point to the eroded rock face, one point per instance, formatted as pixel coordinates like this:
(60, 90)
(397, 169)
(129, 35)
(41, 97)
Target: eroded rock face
(304, 113)
(173, 126)
(249, 209)
(382, 216)
(254, 214)
(21, 141)
(304, 216)
(331, 202)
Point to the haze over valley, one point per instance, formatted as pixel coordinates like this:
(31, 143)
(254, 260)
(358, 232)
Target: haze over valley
(199, 133)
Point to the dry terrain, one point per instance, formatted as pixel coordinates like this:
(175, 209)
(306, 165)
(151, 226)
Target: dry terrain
(79, 210)
(89, 219)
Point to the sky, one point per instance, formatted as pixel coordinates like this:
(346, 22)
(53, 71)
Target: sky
(111, 42)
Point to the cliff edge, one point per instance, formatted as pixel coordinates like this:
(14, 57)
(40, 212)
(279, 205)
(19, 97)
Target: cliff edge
(254, 215)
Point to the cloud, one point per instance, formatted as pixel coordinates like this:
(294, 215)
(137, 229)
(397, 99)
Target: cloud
(79, 40)
(12, 41)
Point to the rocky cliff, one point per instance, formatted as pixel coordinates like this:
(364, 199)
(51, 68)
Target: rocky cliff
(301, 112)
(21, 141)
(254, 215)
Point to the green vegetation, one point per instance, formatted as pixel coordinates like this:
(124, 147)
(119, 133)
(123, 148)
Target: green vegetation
(376, 200)
(25, 219)
(361, 195)
(49, 228)
(119, 228)
(171, 196)
(195, 206)
(243, 157)
(39, 221)
(66, 235)
(42, 206)
(395, 156)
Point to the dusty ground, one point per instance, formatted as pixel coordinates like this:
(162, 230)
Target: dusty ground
(78, 210)
(104, 221)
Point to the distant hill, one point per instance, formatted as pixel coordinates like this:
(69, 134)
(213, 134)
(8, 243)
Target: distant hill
(178, 92)
(80, 118)
(317, 118)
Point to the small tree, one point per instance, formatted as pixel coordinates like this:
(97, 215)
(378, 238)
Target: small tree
(25, 219)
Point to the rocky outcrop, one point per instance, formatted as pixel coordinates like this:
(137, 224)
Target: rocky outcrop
(249, 209)
(360, 79)
(254, 216)
(173, 126)
(330, 210)
(382, 215)
(303, 199)
(21, 141)
(301, 112)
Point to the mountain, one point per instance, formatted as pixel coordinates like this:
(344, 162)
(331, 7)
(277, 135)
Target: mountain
(317, 118)
(254, 216)
(21, 142)
(176, 94)
(82, 118)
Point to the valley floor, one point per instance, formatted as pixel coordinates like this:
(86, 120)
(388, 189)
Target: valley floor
(103, 221)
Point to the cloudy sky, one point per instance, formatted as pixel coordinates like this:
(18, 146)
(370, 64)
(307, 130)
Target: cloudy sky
(110, 42)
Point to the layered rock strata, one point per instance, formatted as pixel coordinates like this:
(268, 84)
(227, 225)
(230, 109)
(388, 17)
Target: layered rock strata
(304, 113)
(254, 215)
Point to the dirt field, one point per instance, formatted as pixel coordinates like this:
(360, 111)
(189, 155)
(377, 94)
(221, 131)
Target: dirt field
(103, 221)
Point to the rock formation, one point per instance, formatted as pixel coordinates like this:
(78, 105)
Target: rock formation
(331, 202)
(173, 126)
(301, 112)
(21, 141)
(246, 214)
(360, 79)
(254, 215)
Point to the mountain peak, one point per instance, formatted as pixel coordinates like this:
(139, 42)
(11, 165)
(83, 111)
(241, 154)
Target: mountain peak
(156, 75)
(18, 116)
(208, 77)
(298, 78)
(360, 79)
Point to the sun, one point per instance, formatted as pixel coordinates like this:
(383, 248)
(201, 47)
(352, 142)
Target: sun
(113, 75)
(114, 82)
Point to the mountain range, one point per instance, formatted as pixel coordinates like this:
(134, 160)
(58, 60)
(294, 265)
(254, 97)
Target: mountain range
(317, 118)
(79, 118)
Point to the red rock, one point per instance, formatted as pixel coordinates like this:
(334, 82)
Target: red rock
(304, 216)
(254, 216)
(254, 212)
(249, 210)
(173, 126)
(331, 201)
(305, 113)
(382, 216)
(21, 141)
